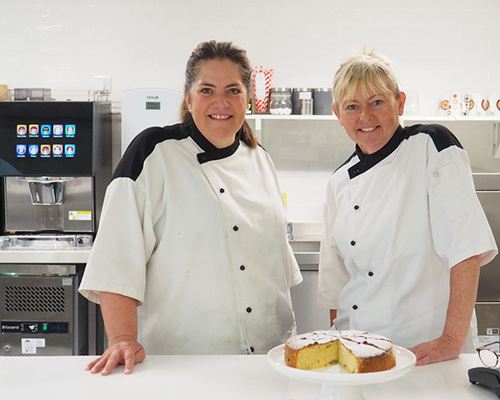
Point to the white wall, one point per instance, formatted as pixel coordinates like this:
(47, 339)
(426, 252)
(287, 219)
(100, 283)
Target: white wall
(436, 46)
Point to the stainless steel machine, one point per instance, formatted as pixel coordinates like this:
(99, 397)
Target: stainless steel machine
(488, 295)
(56, 161)
(42, 314)
(55, 164)
(304, 237)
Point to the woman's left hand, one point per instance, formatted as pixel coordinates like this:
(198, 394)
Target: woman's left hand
(441, 349)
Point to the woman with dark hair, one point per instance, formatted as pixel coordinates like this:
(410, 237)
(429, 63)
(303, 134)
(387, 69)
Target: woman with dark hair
(221, 50)
(193, 231)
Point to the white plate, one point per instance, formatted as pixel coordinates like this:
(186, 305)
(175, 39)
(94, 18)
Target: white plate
(335, 375)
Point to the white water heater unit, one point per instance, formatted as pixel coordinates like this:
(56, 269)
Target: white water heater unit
(143, 108)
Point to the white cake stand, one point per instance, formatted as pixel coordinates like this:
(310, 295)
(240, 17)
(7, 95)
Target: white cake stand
(336, 384)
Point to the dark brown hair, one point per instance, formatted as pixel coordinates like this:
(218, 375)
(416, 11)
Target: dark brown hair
(212, 50)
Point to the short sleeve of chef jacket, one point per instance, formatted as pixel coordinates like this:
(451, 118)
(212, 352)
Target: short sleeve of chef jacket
(459, 226)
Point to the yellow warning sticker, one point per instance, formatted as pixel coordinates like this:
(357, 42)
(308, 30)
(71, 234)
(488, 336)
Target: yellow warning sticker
(80, 215)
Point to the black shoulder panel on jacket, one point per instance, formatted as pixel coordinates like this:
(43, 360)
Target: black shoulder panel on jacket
(440, 135)
(131, 164)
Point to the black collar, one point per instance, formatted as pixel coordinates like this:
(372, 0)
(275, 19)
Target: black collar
(210, 152)
(367, 161)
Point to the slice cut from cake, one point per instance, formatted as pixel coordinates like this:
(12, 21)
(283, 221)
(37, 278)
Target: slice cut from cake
(322, 350)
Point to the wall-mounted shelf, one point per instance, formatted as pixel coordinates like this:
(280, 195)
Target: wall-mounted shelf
(438, 118)
(406, 117)
(258, 118)
(289, 117)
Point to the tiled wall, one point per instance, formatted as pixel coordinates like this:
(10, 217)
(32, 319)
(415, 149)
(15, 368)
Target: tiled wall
(435, 47)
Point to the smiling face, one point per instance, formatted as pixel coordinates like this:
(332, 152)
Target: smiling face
(370, 119)
(218, 101)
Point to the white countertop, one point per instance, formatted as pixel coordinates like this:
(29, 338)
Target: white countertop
(49, 256)
(215, 377)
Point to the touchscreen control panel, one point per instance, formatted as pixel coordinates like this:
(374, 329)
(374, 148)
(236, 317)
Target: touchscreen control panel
(46, 138)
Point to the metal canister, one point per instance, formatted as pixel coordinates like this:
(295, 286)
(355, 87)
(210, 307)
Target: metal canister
(323, 100)
(306, 106)
(297, 95)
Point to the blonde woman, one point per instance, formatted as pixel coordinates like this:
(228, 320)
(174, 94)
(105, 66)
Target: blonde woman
(405, 234)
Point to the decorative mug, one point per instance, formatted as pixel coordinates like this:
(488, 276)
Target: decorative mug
(443, 105)
(456, 106)
(485, 105)
(468, 103)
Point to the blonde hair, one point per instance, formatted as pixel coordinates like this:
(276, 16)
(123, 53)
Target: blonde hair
(368, 71)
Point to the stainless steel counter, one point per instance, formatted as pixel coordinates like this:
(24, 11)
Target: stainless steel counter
(45, 248)
(46, 256)
(304, 238)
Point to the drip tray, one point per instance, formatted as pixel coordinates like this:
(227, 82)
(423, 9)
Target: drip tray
(45, 242)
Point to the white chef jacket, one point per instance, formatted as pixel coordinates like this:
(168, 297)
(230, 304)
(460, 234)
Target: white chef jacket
(198, 236)
(396, 222)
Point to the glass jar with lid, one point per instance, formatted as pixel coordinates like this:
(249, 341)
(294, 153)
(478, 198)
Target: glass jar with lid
(281, 101)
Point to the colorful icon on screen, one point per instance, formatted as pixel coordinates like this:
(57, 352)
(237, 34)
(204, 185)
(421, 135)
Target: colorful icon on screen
(33, 150)
(57, 150)
(45, 130)
(22, 130)
(70, 130)
(58, 130)
(45, 150)
(34, 129)
(21, 150)
(69, 150)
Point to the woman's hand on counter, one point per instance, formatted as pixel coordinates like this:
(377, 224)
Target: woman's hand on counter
(122, 350)
(441, 349)
(120, 319)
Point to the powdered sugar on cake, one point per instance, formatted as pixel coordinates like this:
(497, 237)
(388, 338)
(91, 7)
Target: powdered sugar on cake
(364, 344)
(307, 339)
(361, 344)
